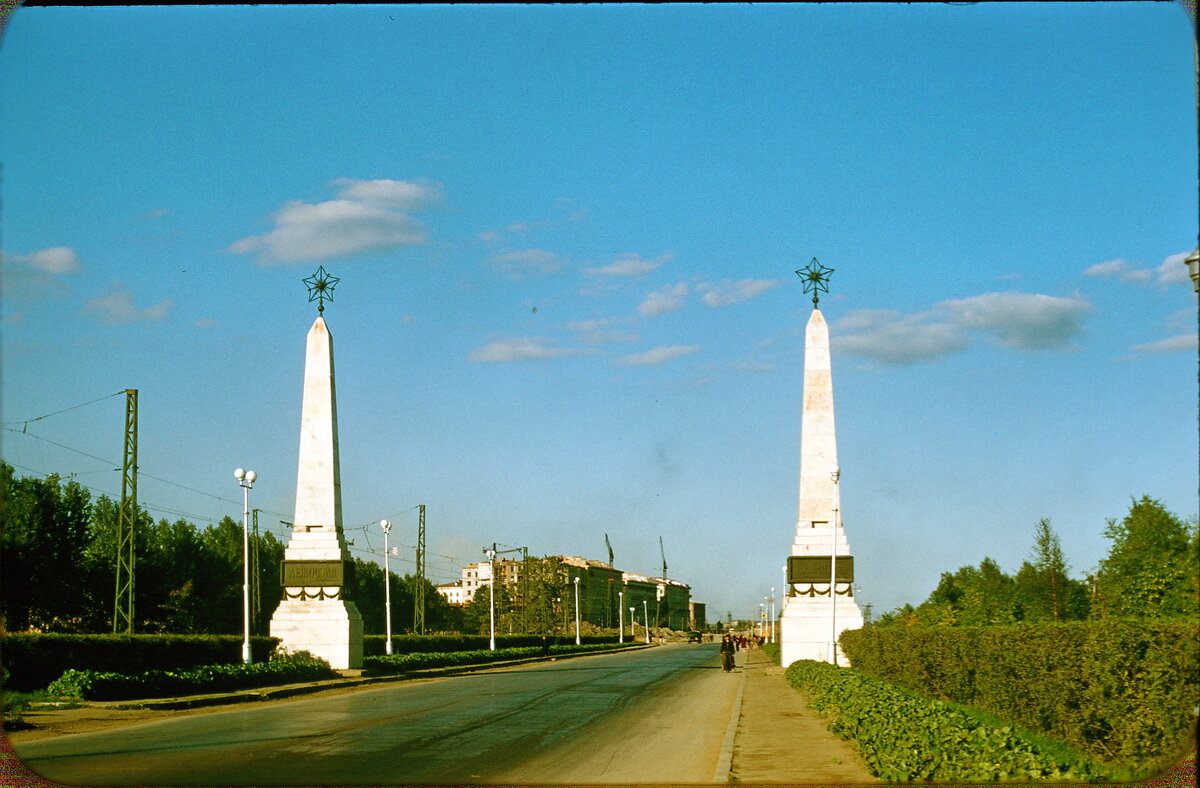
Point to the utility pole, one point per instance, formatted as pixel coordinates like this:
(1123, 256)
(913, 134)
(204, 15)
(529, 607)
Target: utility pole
(419, 592)
(127, 520)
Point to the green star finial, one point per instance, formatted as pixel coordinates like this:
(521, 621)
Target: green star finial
(320, 288)
(816, 279)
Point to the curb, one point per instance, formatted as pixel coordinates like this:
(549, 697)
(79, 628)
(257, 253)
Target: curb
(294, 690)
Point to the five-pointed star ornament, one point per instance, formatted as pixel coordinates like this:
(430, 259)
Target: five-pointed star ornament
(320, 288)
(816, 279)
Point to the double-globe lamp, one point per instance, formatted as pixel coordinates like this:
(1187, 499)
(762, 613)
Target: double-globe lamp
(245, 480)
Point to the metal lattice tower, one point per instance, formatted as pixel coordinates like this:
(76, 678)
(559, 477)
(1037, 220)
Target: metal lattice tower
(255, 584)
(127, 520)
(419, 591)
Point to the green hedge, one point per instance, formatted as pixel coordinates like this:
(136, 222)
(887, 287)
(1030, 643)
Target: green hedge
(402, 663)
(905, 736)
(375, 645)
(31, 661)
(1122, 691)
(104, 685)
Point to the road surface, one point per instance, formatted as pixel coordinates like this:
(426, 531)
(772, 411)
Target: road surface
(660, 715)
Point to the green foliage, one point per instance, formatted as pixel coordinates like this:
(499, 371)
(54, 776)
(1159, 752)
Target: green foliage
(904, 736)
(31, 661)
(772, 650)
(105, 685)
(374, 645)
(1153, 566)
(402, 663)
(1122, 691)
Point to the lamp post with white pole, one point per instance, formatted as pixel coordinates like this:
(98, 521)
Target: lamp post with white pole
(835, 473)
(773, 639)
(387, 589)
(577, 610)
(646, 621)
(632, 624)
(491, 555)
(620, 616)
(246, 480)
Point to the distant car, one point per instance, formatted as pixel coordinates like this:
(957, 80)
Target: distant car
(694, 637)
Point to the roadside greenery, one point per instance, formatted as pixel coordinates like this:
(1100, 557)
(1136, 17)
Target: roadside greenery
(904, 736)
(105, 685)
(403, 663)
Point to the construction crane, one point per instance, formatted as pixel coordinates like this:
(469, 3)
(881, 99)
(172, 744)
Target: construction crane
(608, 544)
(664, 557)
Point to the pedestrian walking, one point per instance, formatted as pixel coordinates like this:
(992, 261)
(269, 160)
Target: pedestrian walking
(727, 649)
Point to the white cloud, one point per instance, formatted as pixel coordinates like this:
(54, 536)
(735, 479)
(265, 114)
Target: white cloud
(521, 349)
(1023, 321)
(526, 264)
(1173, 269)
(628, 265)
(728, 292)
(385, 193)
(116, 308)
(56, 260)
(657, 355)
(1183, 343)
(896, 339)
(365, 217)
(665, 299)
(1122, 269)
(599, 331)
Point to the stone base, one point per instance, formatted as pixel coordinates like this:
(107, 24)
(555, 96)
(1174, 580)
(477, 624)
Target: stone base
(804, 628)
(331, 629)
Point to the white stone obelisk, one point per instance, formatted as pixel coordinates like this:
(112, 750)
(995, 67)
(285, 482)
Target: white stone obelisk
(314, 615)
(810, 621)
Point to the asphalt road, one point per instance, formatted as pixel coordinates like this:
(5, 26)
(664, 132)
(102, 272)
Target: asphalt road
(660, 715)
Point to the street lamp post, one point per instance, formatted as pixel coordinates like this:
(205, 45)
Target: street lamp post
(646, 621)
(632, 624)
(835, 473)
(577, 610)
(620, 616)
(1192, 261)
(491, 554)
(387, 589)
(246, 480)
(773, 638)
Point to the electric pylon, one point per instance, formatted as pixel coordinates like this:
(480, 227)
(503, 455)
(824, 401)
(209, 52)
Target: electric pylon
(419, 591)
(127, 520)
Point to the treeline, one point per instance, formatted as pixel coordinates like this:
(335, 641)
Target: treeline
(1152, 570)
(58, 558)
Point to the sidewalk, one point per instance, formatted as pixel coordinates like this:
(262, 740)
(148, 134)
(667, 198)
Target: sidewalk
(780, 741)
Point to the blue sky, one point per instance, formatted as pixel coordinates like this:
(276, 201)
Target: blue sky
(566, 239)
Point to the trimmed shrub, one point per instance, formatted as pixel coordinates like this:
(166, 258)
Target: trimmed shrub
(374, 645)
(1122, 691)
(403, 663)
(905, 736)
(105, 685)
(32, 661)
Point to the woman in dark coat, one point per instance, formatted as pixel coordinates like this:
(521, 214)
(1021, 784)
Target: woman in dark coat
(727, 649)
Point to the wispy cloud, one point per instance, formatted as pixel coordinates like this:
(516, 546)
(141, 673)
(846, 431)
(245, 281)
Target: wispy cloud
(666, 299)
(521, 349)
(116, 307)
(525, 264)
(727, 292)
(1182, 343)
(38, 275)
(1172, 270)
(628, 265)
(1028, 322)
(366, 216)
(658, 355)
(601, 331)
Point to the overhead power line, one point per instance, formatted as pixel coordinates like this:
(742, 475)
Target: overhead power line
(64, 410)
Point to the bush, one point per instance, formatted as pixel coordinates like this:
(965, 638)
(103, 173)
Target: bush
(402, 663)
(905, 736)
(375, 646)
(1122, 691)
(32, 661)
(107, 685)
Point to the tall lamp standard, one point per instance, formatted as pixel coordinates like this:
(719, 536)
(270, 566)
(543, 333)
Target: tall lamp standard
(491, 554)
(632, 623)
(387, 589)
(620, 616)
(646, 621)
(773, 639)
(835, 473)
(246, 480)
(577, 610)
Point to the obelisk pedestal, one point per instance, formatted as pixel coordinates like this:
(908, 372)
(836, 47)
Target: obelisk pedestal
(314, 614)
(811, 621)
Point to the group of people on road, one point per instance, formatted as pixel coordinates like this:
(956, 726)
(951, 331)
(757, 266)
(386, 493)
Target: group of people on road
(732, 643)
